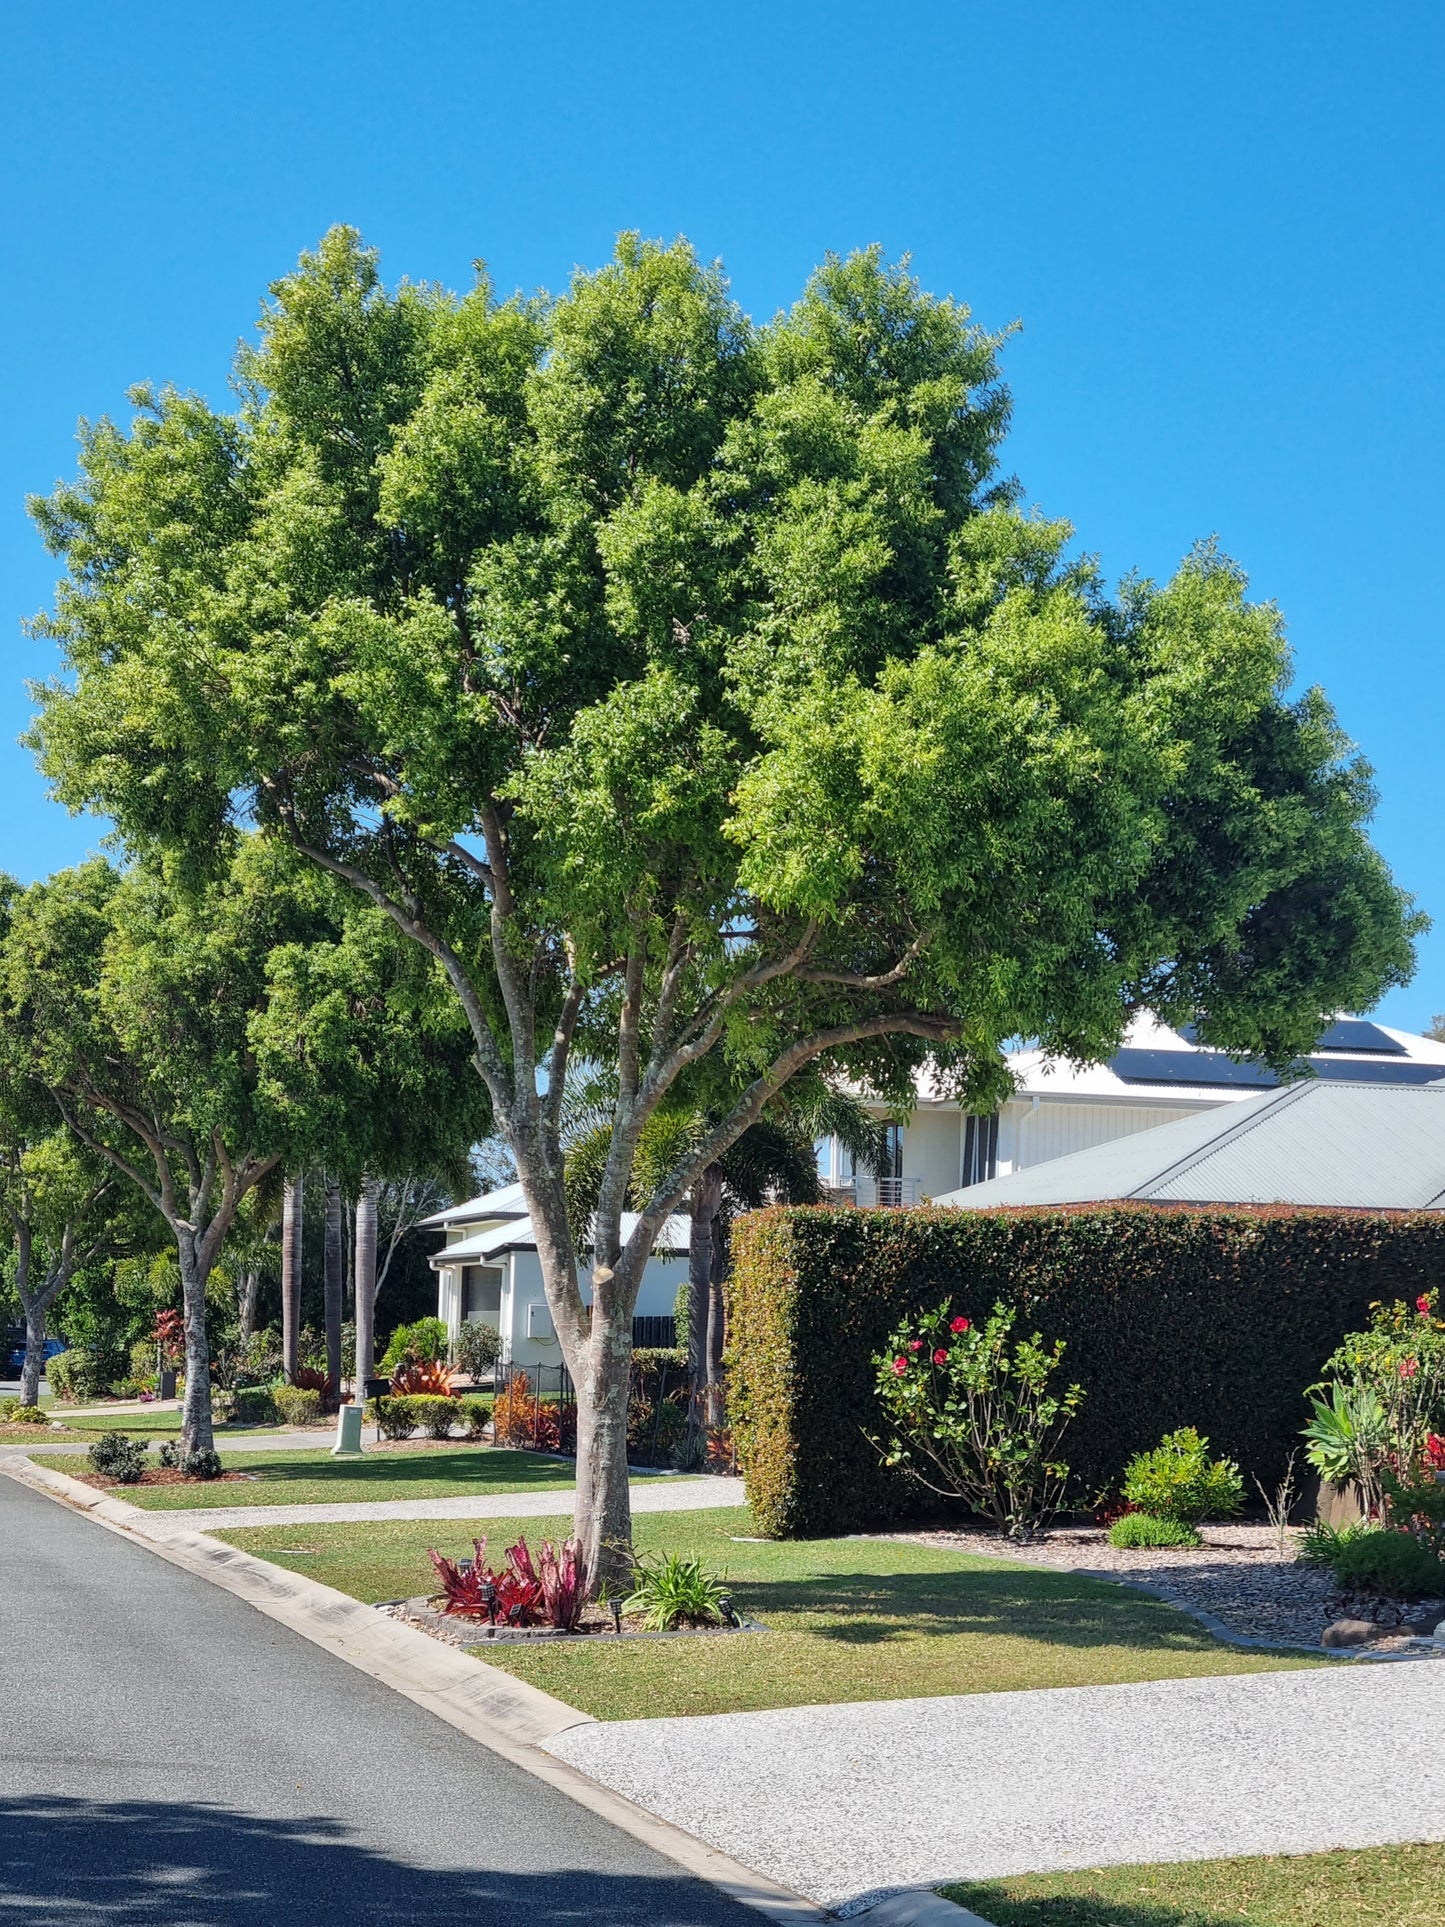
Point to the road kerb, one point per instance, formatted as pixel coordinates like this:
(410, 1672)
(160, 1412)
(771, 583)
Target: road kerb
(504, 1714)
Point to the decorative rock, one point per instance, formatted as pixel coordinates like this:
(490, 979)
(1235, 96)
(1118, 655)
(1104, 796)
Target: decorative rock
(1351, 1632)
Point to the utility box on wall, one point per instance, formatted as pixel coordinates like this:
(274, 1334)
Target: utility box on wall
(539, 1324)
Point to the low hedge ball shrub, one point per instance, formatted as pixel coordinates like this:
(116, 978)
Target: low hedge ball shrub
(118, 1457)
(394, 1416)
(1391, 1562)
(435, 1416)
(1179, 1480)
(1139, 1531)
(297, 1404)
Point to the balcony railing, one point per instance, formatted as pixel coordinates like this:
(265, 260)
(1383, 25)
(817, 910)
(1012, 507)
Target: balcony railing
(868, 1193)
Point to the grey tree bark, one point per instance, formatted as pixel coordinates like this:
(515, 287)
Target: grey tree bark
(197, 1434)
(716, 1330)
(703, 1206)
(292, 1217)
(333, 1269)
(364, 1265)
(248, 1287)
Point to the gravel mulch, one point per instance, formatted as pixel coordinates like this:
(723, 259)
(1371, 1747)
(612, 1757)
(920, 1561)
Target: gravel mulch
(1239, 1575)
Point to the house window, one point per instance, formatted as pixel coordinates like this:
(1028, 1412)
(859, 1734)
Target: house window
(980, 1149)
(892, 1151)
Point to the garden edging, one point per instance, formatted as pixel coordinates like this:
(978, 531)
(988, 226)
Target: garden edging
(504, 1714)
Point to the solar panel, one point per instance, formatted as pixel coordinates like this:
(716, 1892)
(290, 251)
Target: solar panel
(1353, 1033)
(1213, 1068)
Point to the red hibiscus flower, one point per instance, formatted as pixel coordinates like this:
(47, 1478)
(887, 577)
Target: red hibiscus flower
(940, 1357)
(959, 1325)
(1435, 1451)
(915, 1344)
(900, 1366)
(1422, 1305)
(1408, 1368)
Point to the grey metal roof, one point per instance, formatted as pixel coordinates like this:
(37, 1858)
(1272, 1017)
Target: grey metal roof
(1363, 1146)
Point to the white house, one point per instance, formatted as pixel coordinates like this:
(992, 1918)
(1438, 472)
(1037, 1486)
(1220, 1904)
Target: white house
(488, 1271)
(1158, 1077)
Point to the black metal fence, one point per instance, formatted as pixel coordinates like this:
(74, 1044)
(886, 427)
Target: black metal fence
(649, 1333)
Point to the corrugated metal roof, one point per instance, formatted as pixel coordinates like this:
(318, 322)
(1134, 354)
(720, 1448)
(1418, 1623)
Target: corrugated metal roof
(1366, 1146)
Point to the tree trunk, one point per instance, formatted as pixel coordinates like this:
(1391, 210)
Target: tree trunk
(34, 1351)
(602, 1519)
(196, 1433)
(292, 1208)
(248, 1287)
(703, 1209)
(365, 1267)
(716, 1332)
(333, 1282)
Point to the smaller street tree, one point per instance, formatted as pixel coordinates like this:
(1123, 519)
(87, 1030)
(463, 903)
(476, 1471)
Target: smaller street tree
(132, 999)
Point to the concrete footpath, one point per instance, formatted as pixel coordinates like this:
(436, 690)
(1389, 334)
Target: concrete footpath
(841, 1802)
(677, 1495)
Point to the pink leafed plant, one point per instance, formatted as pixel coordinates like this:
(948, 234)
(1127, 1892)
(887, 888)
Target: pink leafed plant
(564, 1583)
(510, 1597)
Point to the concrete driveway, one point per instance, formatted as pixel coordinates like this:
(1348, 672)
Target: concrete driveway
(171, 1758)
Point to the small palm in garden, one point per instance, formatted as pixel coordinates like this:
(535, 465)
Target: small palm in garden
(974, 1414)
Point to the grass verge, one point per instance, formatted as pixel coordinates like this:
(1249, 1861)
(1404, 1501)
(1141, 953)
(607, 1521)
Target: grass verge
(310, 1476)
(1391, 1886)
(848, 1619)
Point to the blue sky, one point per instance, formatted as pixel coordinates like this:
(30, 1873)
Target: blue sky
(1220, 227)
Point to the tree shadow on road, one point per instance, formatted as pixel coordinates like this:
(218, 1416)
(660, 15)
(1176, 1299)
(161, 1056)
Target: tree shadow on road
(147, 1863)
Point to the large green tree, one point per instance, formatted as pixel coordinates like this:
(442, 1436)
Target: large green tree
(691, 688)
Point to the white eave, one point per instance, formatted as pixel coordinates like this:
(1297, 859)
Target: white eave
(494, 1241)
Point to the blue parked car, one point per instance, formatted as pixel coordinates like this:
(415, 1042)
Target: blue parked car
(15, 1355)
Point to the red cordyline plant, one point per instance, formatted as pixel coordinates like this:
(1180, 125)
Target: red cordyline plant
(563, 1578)
(973, 1414)
(170, 1335)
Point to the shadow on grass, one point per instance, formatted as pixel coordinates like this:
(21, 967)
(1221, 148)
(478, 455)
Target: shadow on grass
(871, 1609)
(142, 1863)
(480, 1466)
(1082, 1910)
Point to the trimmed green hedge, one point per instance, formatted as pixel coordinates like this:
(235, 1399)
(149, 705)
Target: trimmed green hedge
(1212, 1318)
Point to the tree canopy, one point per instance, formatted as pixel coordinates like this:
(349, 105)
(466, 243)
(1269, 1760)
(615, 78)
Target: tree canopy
(696, 690)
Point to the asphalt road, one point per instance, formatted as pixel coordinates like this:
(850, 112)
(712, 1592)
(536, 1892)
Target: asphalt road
(171, 1758)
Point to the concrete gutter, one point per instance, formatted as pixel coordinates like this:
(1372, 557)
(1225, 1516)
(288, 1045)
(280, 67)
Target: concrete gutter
(919, 1907)
(507, 1715)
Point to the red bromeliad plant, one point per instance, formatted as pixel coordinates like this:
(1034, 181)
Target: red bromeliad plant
(511, 1596)
(425, 1378)
(564, 1582)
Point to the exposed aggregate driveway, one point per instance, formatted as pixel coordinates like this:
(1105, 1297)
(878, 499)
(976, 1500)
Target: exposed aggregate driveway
(842, 1802)
(171, 1758)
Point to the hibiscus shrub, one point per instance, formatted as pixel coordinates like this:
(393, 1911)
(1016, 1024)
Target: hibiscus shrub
(1216, 1318)
(975, 1414)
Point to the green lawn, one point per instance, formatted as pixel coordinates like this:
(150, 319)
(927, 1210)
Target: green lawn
(310, 1476)
(1391, 1886)
(848, 1619)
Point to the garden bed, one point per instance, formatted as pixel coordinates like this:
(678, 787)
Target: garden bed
(458, 1629)
(160, 1475)
(1239, 1577)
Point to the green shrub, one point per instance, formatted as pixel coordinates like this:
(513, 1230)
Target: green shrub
(118, 1458)
(255, 1405)
(475, 1414)
(1319, 1543)
(201, 1465)
(143, 1360)
(477, 1349)
(78, 1376)
(1218, 1318)
(297, 1404)
(973, 1414)
(434, 1415)
(669, 1590)
(1179, 1480)
(1138, 1531)
(1395, 1563)
(425, 1342)
(394, 1416)
(12, 1412)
